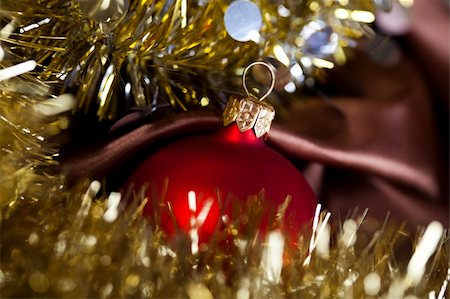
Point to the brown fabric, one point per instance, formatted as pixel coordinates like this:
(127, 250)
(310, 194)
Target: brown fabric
(381, 148)
(103, 159)
(429, 41)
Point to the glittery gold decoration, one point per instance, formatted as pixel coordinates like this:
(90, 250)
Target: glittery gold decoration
(80, 242)
(84, 253)
(265, 117)
(231, 111)
(25, 151)
(248, 114)
(116, 55)
(60, 241)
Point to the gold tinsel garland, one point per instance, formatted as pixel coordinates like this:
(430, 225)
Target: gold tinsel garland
(156, 54)
(67, 242)
(60, 241)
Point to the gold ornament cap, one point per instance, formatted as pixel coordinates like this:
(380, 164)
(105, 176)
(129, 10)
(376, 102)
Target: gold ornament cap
(251, 112)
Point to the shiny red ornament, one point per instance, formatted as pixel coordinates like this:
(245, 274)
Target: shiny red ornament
(229, 161)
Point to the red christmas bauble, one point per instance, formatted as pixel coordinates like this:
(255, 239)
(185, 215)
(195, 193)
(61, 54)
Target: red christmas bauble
(229, 161)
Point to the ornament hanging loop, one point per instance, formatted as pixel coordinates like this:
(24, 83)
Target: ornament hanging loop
(272, 75)
(251, 112)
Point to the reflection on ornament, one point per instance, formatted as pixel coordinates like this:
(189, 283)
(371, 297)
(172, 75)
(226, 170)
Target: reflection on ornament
(104, 10)
(384, 5)
(319, 39)
(395, 22)
(360, 16)
(297, 72)
(243, 21)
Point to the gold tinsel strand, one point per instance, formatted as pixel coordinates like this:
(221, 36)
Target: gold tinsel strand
(85, 254)
(26, 156)
(155, 53)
